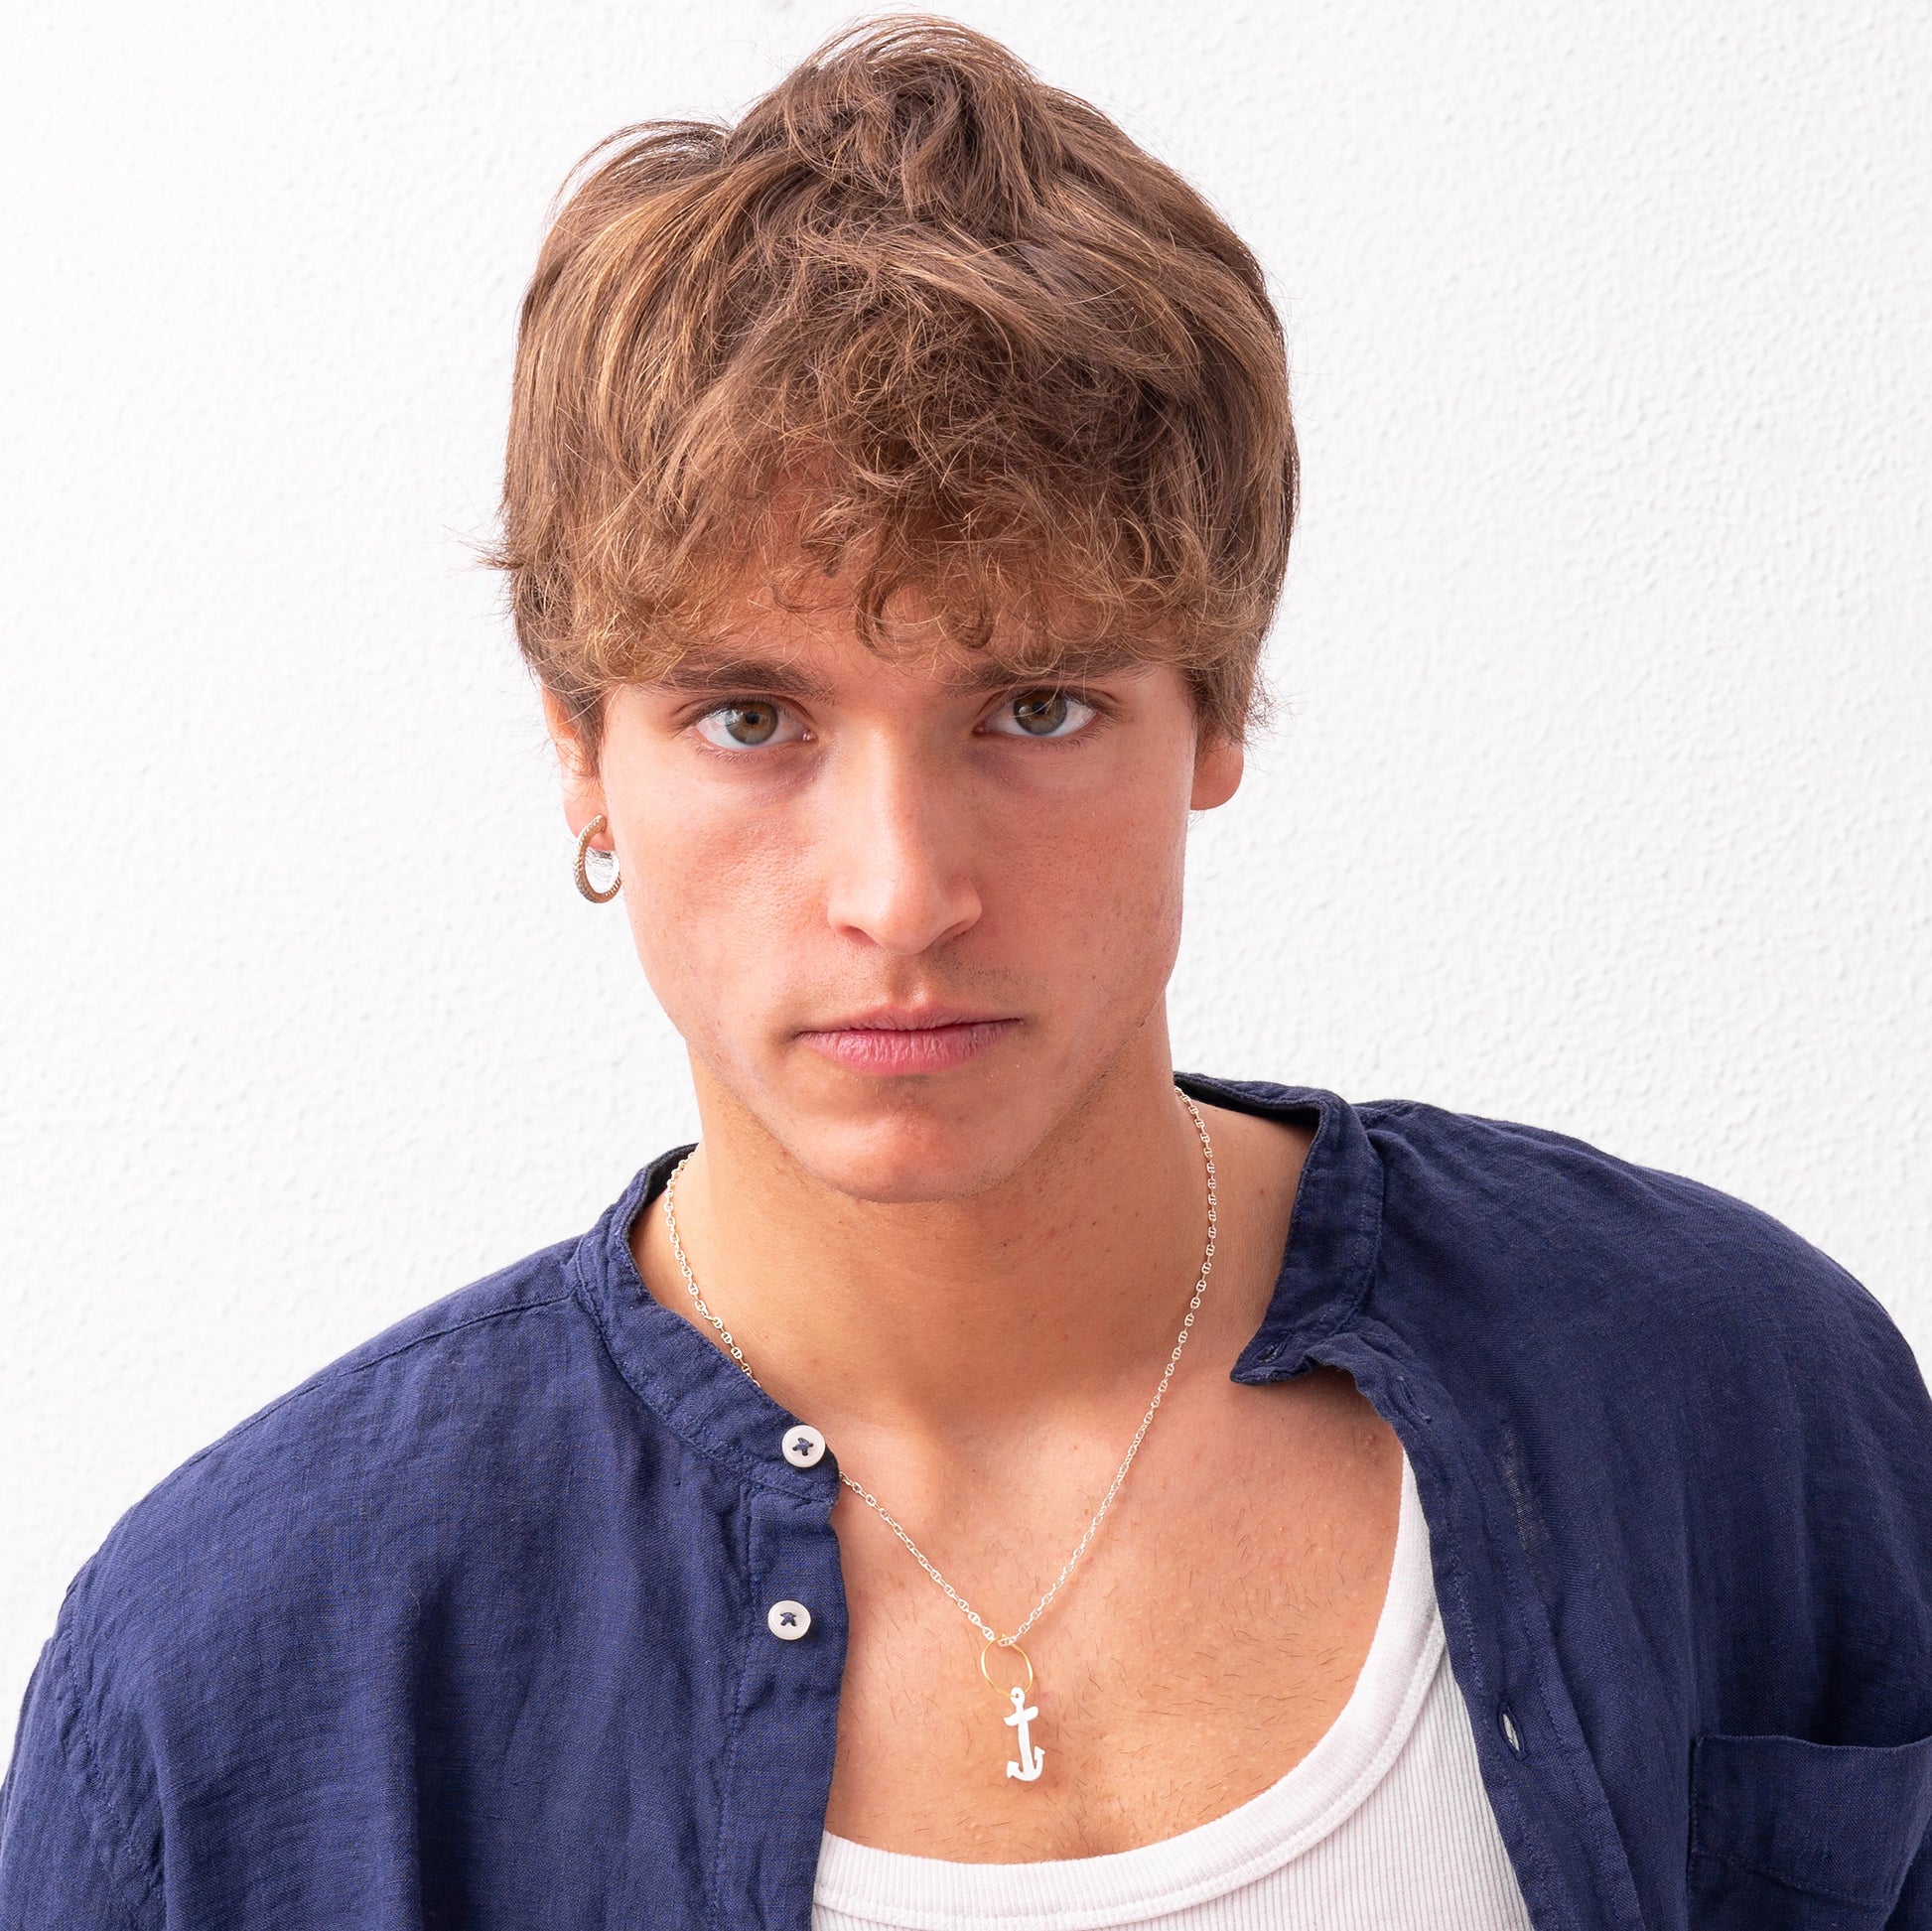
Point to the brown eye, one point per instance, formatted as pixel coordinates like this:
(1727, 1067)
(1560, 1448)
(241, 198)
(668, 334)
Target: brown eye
(1040, 712)
(744, 724)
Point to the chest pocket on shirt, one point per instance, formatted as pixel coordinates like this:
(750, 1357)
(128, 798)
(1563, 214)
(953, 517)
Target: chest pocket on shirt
(1792, 1836)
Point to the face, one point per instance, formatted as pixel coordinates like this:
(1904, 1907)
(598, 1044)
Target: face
(907, 920)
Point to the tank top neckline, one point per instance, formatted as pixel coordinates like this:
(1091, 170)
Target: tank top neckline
(1313, 1799)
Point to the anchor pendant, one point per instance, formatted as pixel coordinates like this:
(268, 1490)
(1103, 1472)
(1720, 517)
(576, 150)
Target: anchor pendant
(1031, 1762)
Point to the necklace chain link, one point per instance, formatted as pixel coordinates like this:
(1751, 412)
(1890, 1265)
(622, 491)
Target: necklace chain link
(1120, 1475)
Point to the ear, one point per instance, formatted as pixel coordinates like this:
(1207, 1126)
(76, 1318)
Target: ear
(576, 763)
(1218, 763)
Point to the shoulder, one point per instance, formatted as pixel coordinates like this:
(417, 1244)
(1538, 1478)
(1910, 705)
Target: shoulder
(1571, 1250)
(1578, 1214)
(1547, 1185)
(344, 1421)
(354, 1482)
(285, 1591)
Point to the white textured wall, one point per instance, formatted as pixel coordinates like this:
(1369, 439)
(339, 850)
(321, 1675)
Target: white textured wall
(1601, 800)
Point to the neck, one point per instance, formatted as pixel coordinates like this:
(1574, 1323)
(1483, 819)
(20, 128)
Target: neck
(1059, 1287)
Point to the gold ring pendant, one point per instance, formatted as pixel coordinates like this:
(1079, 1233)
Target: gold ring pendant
(993, 1643)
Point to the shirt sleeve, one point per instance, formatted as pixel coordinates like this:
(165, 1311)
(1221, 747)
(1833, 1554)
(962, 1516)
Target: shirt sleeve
(52, 1868)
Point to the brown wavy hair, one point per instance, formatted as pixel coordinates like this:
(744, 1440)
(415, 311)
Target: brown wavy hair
(918, 323)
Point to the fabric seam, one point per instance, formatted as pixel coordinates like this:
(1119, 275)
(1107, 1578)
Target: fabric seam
(329, 1376)
(1777, 1877)
(106, 1831)
(732, 1734)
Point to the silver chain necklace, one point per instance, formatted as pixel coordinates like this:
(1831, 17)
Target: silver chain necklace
(1032, 1759)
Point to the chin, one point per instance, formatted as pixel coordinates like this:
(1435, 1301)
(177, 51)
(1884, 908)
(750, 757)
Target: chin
(906, 1140)
(905, 1145)
(920, 1173)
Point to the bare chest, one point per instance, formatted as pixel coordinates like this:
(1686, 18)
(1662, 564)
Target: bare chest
(1215, 1633)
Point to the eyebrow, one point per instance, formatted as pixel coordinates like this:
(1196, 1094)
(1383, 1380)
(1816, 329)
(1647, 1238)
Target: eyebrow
(706, 674)
(701, 673)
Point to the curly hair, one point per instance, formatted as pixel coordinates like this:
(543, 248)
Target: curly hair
(918, 323)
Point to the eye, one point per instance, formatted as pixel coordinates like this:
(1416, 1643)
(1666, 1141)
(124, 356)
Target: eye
(1041, 713)
(747, 723)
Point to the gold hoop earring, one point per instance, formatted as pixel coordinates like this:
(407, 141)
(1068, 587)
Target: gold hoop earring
(583, 869)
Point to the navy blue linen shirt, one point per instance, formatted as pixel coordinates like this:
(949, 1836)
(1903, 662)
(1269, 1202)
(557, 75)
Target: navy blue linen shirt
(469, 1629)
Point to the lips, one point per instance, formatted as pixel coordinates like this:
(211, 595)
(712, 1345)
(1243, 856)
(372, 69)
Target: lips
(900, 1039)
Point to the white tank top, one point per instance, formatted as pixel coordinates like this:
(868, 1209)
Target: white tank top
(1384, 1826)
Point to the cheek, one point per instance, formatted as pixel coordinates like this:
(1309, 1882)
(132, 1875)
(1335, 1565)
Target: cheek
(712, 895)
(1094, 881)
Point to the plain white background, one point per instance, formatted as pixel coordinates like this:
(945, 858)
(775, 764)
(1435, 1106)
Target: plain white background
(1599, 799)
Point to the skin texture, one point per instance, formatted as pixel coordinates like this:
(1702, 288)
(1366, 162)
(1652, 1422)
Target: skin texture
(969, 1275)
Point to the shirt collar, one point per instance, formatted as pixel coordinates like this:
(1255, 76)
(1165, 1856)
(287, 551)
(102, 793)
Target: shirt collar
(1334, 1232)
(698, 1392)
(708, 1401)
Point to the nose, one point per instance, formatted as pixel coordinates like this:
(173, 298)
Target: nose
(898, 837)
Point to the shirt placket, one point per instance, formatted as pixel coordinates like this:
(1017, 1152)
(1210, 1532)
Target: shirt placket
(783, 1726)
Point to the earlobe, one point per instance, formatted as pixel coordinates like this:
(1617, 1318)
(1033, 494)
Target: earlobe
(1217, 773)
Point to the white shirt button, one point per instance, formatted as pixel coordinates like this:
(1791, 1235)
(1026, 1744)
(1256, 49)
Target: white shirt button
(804, 1447)
(787, 1620)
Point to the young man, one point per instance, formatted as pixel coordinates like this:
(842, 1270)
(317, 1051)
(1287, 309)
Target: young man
(989, 1479)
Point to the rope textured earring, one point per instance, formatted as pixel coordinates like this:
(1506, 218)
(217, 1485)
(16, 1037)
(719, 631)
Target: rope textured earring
(582, 870)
